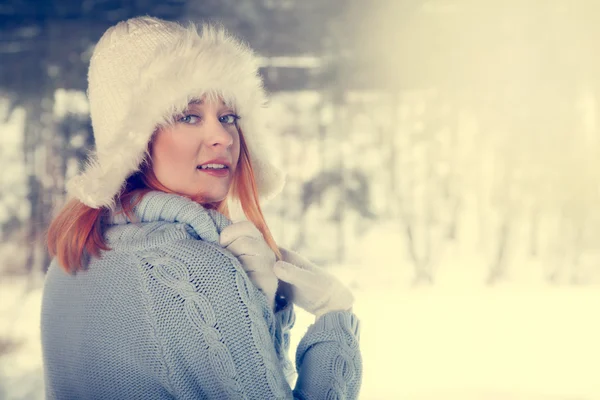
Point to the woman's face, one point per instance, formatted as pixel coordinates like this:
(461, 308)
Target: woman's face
(197, 155)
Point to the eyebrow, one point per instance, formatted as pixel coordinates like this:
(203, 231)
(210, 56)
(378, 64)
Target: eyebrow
(200, 101)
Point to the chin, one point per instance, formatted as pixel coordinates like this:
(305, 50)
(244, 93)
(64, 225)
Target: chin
(213, 192)
(213, 199)
(212, 196)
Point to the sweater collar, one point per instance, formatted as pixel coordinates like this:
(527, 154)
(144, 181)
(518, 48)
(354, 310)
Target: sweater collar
(160, 206)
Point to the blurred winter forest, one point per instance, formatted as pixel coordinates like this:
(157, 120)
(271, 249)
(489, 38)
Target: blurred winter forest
(408, 125)
(427, 143)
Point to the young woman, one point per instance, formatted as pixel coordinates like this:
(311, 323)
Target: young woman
(153, 293)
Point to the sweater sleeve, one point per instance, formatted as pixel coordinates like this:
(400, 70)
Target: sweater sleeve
(328, 358)
(209, 324)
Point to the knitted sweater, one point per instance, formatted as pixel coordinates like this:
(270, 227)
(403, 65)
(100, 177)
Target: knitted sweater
(169, 314)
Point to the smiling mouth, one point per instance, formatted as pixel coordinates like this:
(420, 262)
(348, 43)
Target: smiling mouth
(214, 170)
(212, 167)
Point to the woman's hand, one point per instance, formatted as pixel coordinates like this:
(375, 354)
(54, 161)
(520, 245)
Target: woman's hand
(246, 242)
(313, 289)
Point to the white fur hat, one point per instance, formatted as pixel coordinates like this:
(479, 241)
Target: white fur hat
(143, 72)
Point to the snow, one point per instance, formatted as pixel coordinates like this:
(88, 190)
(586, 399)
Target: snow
(70, 102)
(467, 342)
(21, 375)
(12, 166)
(456, 339)
(501, 343)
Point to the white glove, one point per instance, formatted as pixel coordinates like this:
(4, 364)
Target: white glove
(313, 289)
(246, 242)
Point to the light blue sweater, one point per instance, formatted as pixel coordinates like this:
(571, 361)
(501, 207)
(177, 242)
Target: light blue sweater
(169, 314)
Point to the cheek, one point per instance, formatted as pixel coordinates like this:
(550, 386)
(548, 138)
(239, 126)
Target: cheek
(169, 153)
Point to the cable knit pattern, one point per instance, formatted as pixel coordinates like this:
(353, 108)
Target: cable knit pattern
(167, 313)
(340, 329)
(175, 275)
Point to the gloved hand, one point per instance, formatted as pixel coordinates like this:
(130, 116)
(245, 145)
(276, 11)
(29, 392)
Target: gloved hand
(246, 242)
(313, 289)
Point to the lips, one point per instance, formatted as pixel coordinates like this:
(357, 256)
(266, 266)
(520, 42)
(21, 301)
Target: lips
(221, 173)
(217, 172)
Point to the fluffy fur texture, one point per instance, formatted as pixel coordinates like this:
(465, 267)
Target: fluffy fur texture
(143, 72)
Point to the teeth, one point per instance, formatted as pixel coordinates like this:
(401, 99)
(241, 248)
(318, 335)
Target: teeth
(212, 166)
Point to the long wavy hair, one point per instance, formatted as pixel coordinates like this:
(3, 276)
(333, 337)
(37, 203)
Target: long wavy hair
(76, 233)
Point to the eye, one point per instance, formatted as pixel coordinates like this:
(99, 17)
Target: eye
(189, 119)
(229, 119)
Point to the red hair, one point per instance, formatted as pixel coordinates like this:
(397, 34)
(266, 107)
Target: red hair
(76, 232)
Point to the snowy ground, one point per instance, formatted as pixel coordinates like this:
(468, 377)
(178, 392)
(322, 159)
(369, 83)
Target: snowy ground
(487, 344)
(418, 344)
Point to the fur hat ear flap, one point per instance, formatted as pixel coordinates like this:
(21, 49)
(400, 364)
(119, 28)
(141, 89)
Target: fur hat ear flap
(145, 70)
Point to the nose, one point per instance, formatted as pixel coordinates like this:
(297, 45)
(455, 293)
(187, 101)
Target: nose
(218, 135)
